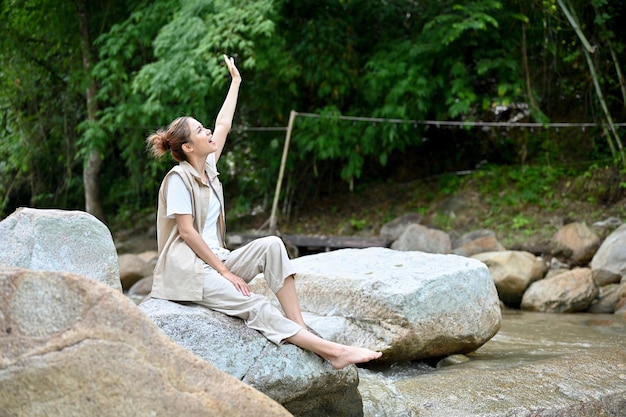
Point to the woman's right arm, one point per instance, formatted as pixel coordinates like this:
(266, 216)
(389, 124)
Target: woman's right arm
(225, 116)
(190, 235)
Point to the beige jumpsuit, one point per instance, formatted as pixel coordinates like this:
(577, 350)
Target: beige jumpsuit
(182, 276)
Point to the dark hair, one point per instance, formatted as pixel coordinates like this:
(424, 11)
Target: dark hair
(171, 139)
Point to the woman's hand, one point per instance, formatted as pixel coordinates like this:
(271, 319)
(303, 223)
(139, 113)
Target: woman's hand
(232, 69)
(241, 285)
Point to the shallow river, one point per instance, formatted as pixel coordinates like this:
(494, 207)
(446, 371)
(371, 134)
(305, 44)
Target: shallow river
(525, 341)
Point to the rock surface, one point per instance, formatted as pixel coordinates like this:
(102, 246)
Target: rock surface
(548, 365)
(72, 347)
(609, 262)
(301, 381)
(60, 240)
(409, 305)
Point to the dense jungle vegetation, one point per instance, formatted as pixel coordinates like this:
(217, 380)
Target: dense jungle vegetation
(400, 104)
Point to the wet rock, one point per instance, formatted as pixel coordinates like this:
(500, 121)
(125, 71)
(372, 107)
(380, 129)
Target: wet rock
(59, 240)
(301, 381)
(512, 272)
(73, 347)
(452, 360)
(409, 305)
(570, 292)
(556, 366)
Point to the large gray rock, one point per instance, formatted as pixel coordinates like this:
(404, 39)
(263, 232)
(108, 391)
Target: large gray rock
(60, 240)
(409, 305)
(73, 347)
(301, 381)
(569, 292)
(512, 272)
(609, 262)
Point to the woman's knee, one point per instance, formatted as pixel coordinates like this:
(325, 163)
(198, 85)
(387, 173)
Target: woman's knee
(271, 241)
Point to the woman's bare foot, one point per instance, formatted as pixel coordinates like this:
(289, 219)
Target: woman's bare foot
(349, 355)
(337, 354)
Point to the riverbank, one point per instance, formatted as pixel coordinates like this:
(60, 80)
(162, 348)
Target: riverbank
(524, 206)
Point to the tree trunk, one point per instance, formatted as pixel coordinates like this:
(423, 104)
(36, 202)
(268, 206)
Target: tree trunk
(93, 162)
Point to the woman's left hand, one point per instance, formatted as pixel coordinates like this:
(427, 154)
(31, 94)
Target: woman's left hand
(241, 285)
(232, 69)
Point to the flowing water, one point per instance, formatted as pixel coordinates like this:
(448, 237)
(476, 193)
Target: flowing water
(525, 341)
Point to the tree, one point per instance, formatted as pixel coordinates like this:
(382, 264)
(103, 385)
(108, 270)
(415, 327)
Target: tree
(42, 99)
(93, 163)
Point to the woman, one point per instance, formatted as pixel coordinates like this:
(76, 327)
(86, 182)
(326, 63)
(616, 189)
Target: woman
(194, 264)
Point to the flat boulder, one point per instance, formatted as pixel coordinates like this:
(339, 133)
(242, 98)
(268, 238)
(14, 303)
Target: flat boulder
(73, 347)
(301, 381)
(409, 305)
(60, 240)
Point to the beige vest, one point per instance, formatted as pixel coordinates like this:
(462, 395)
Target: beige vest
(179, 272)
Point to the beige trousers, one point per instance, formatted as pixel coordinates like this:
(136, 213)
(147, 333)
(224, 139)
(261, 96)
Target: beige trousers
(266, 255)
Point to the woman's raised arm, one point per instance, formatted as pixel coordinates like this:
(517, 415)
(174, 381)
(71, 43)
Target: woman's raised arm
(224, 119)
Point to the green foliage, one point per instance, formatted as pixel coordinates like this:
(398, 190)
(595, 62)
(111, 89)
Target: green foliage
(428, 60)
(40, 102)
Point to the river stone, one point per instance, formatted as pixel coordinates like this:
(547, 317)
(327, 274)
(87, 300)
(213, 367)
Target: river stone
(421, 238)
(133, 268)
(393, 229)
(73, 347)
(479, 245)
(575, 242)
(609, 262)
(512, 272)
(409, 305)
(60, 240)
(607, 299)
(569, 292)
(301, 381)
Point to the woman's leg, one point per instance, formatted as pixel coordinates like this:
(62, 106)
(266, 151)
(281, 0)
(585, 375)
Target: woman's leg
(337, 354)
(269, 256)
(288, 299)
(256, 310)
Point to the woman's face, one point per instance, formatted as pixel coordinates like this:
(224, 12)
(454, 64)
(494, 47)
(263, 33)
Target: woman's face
(201, 138)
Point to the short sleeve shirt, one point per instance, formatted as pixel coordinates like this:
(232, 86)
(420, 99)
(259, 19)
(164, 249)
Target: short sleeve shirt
(179, 202)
